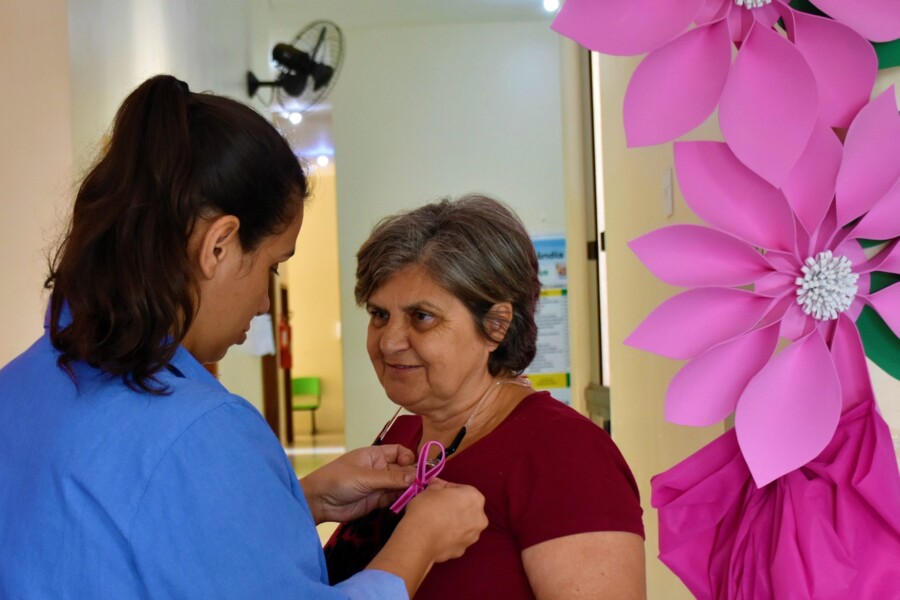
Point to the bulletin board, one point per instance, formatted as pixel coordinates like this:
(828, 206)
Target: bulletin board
(550, 369)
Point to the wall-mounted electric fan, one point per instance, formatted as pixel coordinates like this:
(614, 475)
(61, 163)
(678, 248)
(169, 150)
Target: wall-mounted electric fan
(307, 68)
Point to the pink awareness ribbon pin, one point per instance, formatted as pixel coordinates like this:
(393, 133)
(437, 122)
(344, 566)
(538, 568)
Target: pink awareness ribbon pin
(424, 475)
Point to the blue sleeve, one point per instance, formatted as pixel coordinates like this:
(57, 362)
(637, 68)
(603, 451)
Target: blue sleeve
(223, 516)
(373, 585)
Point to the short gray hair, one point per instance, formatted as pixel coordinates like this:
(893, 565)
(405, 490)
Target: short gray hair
(476, 248)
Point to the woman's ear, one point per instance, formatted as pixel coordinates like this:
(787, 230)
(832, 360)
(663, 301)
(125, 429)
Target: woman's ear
(498, 319)
(216, 240)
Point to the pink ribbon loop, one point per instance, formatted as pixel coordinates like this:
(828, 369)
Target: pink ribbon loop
(424, 475)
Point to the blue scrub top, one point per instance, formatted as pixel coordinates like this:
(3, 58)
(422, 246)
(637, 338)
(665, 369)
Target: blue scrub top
(110, 493)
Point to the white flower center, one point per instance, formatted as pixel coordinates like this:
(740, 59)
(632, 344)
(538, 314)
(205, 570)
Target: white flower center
(752, 3)
(828, 286)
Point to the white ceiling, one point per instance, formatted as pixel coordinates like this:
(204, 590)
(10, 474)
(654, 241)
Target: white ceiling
(312, 137)
(381, 13)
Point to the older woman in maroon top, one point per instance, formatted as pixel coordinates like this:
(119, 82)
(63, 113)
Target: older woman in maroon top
(451, 290)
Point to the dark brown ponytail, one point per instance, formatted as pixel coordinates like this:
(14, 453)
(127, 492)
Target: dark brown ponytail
(122, 270)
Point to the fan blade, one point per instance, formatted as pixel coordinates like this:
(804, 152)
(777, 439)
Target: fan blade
(315, 52)
(321, 75)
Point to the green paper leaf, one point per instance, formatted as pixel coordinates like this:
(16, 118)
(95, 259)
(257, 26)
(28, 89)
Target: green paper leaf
(881, 280)
(881, 345)
(888, 54)
(807, 7)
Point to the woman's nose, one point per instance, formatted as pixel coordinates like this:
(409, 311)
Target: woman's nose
(394, 337)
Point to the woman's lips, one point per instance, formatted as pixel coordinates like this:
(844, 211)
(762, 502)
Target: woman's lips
(402, 367)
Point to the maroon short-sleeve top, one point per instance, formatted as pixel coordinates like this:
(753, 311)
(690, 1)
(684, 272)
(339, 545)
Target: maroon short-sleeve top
(546, 472)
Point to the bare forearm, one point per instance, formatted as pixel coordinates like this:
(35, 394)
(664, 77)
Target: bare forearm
(313, 498)
(354, 484)
(405, 556)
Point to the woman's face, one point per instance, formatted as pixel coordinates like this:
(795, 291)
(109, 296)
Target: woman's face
(424, 345)
(236, 291)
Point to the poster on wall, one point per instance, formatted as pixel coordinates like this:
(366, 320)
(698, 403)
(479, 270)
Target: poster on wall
(550, 368)
(260, 337)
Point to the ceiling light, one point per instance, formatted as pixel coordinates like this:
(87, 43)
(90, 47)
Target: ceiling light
(551, 5)
(295, 118)
(322, 161)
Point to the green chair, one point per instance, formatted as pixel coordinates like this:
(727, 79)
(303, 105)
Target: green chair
(306, 394)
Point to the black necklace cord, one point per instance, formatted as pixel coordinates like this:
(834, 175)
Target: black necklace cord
(455, 443)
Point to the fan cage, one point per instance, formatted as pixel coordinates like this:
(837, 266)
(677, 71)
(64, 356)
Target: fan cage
(330, 52)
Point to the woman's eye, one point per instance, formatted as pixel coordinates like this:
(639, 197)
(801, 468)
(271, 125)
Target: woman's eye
(422, 317)
(377, 315)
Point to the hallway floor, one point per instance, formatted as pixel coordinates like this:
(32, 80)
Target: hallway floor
(307, 454)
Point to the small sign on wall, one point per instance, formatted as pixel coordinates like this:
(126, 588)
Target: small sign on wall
(550, 368)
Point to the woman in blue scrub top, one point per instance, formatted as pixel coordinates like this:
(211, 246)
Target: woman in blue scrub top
(126, 469)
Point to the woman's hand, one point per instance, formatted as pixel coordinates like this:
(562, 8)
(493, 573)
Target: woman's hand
(448, 515)
(439, 524)
(358, 482)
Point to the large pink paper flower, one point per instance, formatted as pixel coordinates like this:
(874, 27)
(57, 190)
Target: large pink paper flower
(798, 248)
(768, 99)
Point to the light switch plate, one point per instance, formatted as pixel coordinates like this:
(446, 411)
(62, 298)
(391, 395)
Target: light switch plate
(668, 199)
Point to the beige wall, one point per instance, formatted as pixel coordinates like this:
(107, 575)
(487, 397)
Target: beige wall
(423, 112)
(115, 45)
(315, 306)
(242, 374)
(633, 194)
(35, 159)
